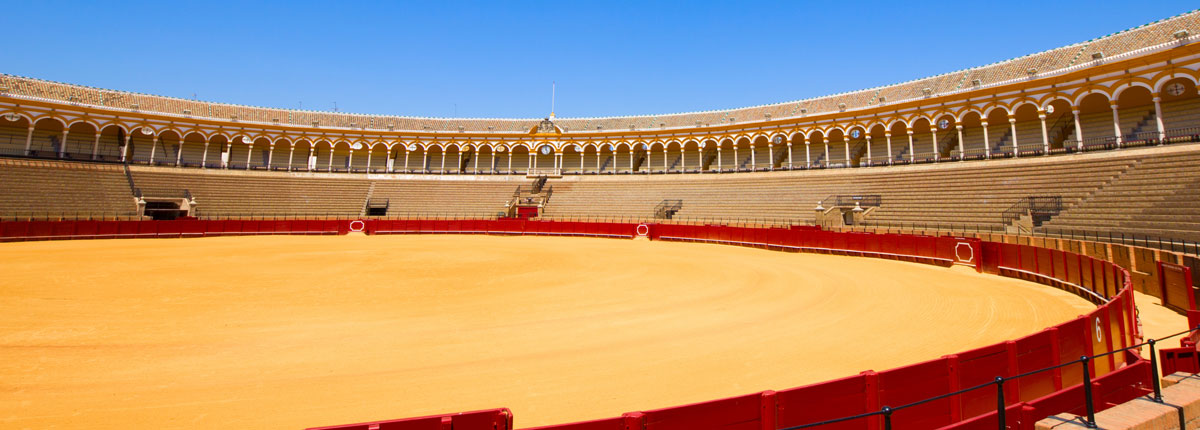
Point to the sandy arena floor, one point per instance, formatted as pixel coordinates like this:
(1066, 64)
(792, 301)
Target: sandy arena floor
(287, 332)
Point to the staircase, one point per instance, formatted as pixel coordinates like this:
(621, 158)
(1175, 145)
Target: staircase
(367, 201)
(606, 162)
(1031, 212)
(947, 143)
(674, 163)
(667, 209)
(531, 196)
(710, 156)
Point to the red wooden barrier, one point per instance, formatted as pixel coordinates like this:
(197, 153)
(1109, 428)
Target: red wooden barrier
(492, 419)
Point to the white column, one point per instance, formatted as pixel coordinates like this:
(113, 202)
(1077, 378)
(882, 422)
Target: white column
(790, 165)
(912, 155)
(597, 160)
(442, 169)
(666, 168)
(370, 155)
(153, 147)
(62, 146)
(124, 149)
(827, 156)
(204, 155)
(936, 151)
(888, 135)
(29, 141)
(250, 151)
(96, 147)
(179, 153)
(390, 164)
(719, 163)
(736, 161)
(1012, 127)
(510, 161)
(228, 158)
(475, 160)
(846, 141)
(869, 158)
(1116, 123)
(1045, 134)
(807, 153)
(406, 152)
(270, 154)
(291, 155)
(771, 152)
(330, 167)
(962, 146)
(987, 146)
(1078, 130)
(1158, 118)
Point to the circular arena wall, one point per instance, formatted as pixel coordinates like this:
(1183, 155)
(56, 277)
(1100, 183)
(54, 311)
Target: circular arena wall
(735, 295)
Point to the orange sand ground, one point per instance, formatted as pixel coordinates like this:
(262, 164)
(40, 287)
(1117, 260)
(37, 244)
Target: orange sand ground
(291, 331)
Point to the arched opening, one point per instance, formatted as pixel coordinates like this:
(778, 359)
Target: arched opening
(281, 151)
(1135, 113)
(377, 158)
(814, 151)
(322, 156)
(877, 148)
(690, 157)
(622, 158)
(191, 150)
(166, 152)
(300, 158)
(920, 150)
(838, 155)
(454, 159)
(341, 157)
(725, 158)
(259, 153)
(1095, 122)
(945, 146)
(972, 146)
(47, 138)
(1178, 102)
(1060, 123)
(520, 160)
(141, 141)
(857, 137)
(433, 159)
(1028, 130)
(999, 133)
(897, 145)
(487, 159)
(572, 159)
(109, 148)
(656, 158)
(761, 153)
(743, 153)
(608, 158)
(81, 138)
(14, 129)
(708, 156)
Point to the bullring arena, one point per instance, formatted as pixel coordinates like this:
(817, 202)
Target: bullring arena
(934, 254)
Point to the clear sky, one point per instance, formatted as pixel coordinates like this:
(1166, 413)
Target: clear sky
(497, 59)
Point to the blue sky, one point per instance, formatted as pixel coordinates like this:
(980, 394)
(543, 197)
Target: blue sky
(497, 59)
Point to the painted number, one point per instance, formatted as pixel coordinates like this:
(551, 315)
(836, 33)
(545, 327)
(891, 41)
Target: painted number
(1099, 333)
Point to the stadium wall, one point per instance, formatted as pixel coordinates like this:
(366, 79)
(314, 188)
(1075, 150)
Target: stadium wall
(1110, 328)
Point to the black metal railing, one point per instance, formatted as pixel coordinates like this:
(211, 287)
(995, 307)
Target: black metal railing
(667, 208)
(1041, 208)
(845, 200)
(1120, 238)
(998, 382)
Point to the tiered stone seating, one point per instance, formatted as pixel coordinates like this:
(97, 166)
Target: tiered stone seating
(241, 193)
(417, 198)
(60, 188)
(1158, 196)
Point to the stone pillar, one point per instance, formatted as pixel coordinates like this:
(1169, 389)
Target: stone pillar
(912, 154)
(846, 142)
(270, 155)
(250, 152)
(29, 141)
(1078, 130)
(291, 155)
(987, 146)
(807, 154)
(936, 152)
(1158, 118)
(720, 164)
(870, 159)
(790, 164)
(1012, 127)
(153, 148)
(62, 146)
(771, 152)
(962, 146)
(1116, 122)
(888, 135)
(204, 155)
(96, 147)
(825, 140)
(1045, 134)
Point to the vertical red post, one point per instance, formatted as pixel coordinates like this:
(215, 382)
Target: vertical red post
(872, 397)
(768, 410)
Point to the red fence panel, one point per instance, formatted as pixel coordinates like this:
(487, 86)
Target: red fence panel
(828, 400)
(40, 229)
(63, 229)
(1029, 258)
(980, 366)
(494, 419)
(1045, 261)
(107, 229)
(914, 383)
(14, 229)
(737, 413)
(1034, 352)
(1072, 336)
(617, 423)
(1085, 273)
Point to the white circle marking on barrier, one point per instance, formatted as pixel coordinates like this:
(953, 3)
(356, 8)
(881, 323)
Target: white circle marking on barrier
(643, 230)
(970, 252)
(360, 227)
